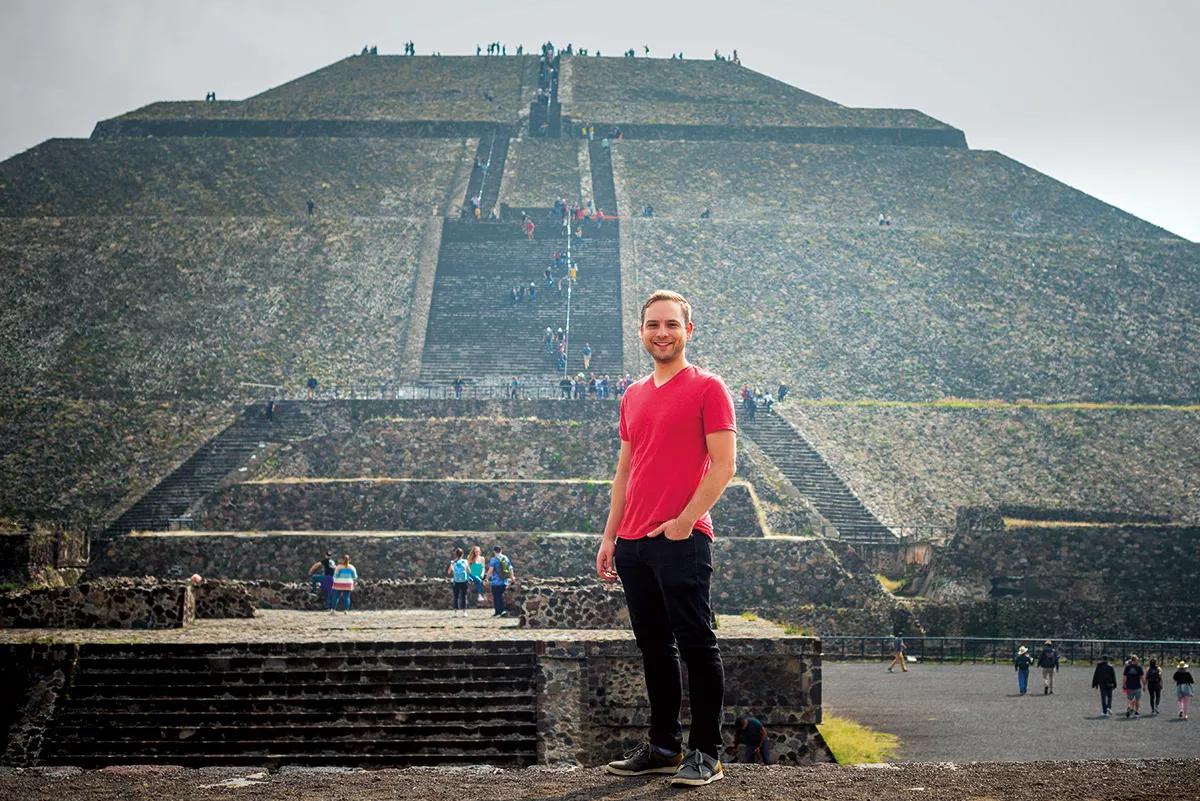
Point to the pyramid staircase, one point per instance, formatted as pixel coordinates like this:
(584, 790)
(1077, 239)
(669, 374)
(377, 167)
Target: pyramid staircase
(814, 478)
(490, 155)
(545, 119)
(475, 331)
(369, 704)
(203, 471)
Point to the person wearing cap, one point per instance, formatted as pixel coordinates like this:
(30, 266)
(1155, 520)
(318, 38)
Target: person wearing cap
(1021, 664)
(1134, 679)
(1048, 662)
(1105, 680)
(1184, 688)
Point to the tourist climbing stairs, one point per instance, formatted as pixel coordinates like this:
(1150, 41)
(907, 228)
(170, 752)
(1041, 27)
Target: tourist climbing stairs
(369, 704)
(475, 330)
(545, 116)
(814, 478)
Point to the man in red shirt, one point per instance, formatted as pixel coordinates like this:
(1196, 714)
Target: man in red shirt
(678, 445)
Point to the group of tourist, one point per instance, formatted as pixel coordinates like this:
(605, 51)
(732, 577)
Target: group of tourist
(755, 398)
(467, 572)
(333, 581)
(498, 49)
(592, 387)
(1136, 680)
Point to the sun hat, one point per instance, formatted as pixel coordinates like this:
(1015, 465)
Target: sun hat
(1182, 665)
(1022, 650)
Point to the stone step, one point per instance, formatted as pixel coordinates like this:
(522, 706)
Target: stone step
(390, 739)
(490, 713)
(258, 677)
(330, 686)
(348, 703)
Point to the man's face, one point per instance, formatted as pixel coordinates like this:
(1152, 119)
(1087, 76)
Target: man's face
(663, 331)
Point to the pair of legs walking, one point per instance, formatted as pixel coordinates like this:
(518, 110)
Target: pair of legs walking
(1048, 680)
(1106, 700)
(498, 599)
(666, 586)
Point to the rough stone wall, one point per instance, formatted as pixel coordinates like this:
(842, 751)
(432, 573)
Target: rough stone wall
(105, 605)
(1060, 619)
(751, 573)
(457, 447)
(572, 604)
(1066, 564)
(917, 465)
(437, 505)
(778, 681)
(38, 675)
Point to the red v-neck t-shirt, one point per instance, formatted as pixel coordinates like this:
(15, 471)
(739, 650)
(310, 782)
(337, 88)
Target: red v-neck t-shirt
(666, 428)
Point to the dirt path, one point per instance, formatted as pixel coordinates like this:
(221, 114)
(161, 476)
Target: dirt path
(1095, 781)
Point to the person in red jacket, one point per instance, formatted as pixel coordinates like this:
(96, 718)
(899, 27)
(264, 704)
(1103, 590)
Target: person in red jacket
(678, 445)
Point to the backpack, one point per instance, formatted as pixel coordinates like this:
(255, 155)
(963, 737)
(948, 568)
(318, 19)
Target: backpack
(459, 568)
(505, 567)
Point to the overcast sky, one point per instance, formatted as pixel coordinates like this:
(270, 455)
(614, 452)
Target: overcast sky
(1100, 94)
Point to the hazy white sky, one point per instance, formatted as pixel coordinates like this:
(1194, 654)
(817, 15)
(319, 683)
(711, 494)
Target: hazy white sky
(1100, 94)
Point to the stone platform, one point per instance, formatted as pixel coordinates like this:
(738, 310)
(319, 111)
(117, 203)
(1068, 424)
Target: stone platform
(586, 696)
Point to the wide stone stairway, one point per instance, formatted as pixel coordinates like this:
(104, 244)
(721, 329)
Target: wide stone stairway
(204, 470)
(373, 704)
(814, 478)
(476, 331)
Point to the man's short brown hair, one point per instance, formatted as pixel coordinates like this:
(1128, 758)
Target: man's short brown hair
(666, 294)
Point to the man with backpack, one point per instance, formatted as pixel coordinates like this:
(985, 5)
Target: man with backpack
(499, 576)
(1048, 662)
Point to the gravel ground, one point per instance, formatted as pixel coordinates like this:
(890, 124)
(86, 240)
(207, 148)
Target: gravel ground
(1128, 781)
(963, 713)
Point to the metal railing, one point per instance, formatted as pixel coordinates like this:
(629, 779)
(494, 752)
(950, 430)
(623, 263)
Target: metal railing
(962, 650)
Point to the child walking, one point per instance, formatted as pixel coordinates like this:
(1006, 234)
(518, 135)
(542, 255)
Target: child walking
(460, 573)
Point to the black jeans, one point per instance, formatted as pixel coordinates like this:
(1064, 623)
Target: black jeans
(667, 590)
(1106, 699)
(460, 595)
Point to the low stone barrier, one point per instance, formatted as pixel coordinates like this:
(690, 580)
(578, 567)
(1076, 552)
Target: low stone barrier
(749, 573)
(101, 605)
(583, 603)
(580, 603)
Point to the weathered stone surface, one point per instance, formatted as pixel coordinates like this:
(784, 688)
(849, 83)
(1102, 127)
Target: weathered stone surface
(921, 314)
(1069, 563)
(572, 604)
(1109, 617)
(929, 187)
(437, 505)
(514, 446)
(126, 604)
(917, 465)
(750, 573)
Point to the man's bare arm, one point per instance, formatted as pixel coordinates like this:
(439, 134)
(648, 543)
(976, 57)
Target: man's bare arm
(722, 451)
(605, 568)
